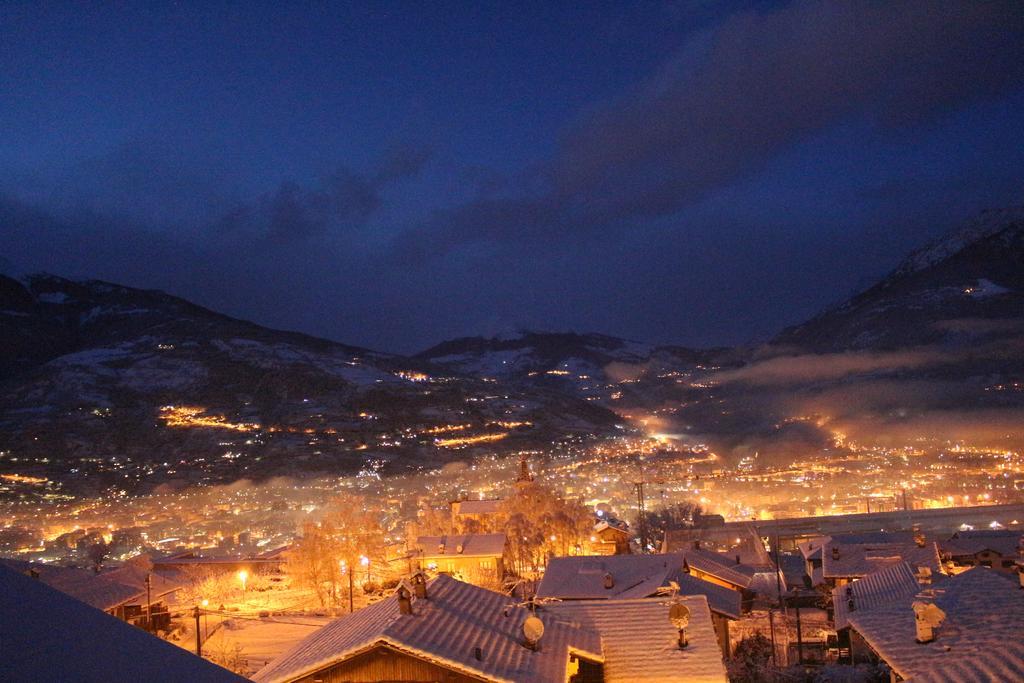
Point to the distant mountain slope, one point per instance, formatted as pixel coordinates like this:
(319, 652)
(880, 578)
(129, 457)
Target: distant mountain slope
(95, 374)
(967, 286)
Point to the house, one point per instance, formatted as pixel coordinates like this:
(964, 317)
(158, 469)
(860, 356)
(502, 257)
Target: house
(878, 590)
(737, 539)
(610, 538)
(120, 592)
(477, 558)
(442, 630)
(966, 629)
(640, 642)
(470, 515)
(49, 636)
(810, 550)
(269, 562)
(847, 557)
(624, 577)
(750, 581)
(998, 549)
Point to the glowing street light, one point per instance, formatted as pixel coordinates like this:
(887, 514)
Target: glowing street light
(243, 576)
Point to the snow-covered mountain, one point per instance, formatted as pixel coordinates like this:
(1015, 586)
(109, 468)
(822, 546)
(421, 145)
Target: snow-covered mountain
(965, 287)
(93, 372)
(557, 358)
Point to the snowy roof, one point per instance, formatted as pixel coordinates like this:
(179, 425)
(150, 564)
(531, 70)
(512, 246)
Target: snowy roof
(444, 629)
(811, 548)
(633, 576)
(878, 589)
(862, 555)
(472, 545)
(605, 524)
(103, 591)
(723, 567)
(979, 639)
(476, 507)
(640, 642)
(583, 577)
(736, 539)
(1004, 542)
(48, 636)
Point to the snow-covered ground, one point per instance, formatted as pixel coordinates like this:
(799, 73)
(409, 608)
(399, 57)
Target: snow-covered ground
(261, 639)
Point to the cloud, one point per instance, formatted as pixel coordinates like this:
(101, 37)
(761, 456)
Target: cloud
(738, 96)
(830, 366)
(345, 199)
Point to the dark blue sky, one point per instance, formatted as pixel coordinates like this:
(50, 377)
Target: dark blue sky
(395, 174)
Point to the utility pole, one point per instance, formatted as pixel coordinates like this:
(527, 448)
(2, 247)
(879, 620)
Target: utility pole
(350, 584)
(199, 642)
(641, 515)
(149, 603)
(799, 635)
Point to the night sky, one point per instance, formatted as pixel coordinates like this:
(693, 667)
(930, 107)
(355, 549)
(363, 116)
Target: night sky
(391, 175)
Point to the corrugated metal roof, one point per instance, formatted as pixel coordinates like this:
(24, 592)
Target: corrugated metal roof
(859, 557)
(978, 641)
(48, 636)
(444, 629)
(641, 644)
(876, 590)
(472, 545)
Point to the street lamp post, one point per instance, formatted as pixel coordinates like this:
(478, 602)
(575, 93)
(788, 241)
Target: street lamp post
(199, 642)
(365, 561)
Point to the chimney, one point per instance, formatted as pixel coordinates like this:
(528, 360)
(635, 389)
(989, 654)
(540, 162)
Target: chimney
(835, 552)
(919, 539)
(609, 581)
(696, 545)
(478, 654)
(927, 618)
(419, 585)
(737, 558)
(850, 607)
(404, 600)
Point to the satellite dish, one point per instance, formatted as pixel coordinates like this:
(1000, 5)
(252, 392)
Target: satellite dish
(679, 615)
(533, 629)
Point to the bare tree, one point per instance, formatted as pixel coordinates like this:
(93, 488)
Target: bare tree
(98, 553)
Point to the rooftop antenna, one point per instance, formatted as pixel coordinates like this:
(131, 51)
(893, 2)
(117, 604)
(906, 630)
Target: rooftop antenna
(533, 631)
(679, 615)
